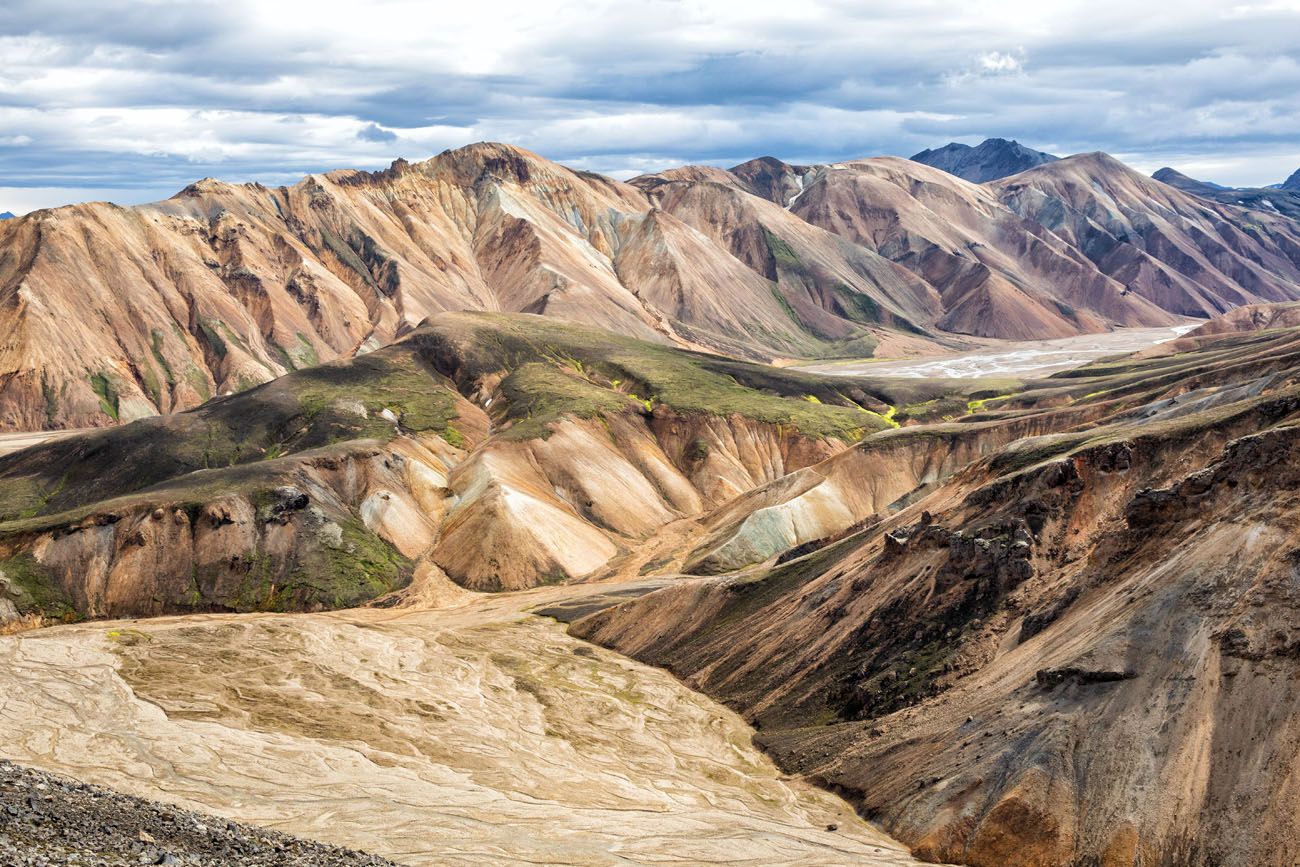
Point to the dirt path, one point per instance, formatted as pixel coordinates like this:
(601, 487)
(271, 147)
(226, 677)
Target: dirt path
(467, 731)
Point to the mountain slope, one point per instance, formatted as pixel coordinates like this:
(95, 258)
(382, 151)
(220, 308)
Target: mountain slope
(224, 286)
(1182, 253)
(1293, 182)
(829, 283)
(989, 160)
(998, 275)
(1055, 654)
(508, 451)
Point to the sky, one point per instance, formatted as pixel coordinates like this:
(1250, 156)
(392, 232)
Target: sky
(131, 101)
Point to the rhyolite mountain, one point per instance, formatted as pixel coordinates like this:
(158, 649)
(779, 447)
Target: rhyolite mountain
(1279, 199)
(1181, 252)
(989, 160)
(224, 286)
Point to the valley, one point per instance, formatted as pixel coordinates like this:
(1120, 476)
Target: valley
(483, 510)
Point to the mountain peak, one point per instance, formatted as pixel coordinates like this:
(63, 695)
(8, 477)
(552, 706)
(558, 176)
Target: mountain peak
(1175, 178)
(493, 158)
(771, 178)
(1293, 182)
(989, 160)
(7, 215)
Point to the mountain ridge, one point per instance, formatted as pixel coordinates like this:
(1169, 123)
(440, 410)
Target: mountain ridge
(1277, 198)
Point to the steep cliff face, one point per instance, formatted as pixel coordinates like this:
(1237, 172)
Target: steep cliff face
(1055, 654)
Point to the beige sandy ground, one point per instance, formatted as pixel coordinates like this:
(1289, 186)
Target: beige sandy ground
(13, 442)
(462, 731)
(1008, 358)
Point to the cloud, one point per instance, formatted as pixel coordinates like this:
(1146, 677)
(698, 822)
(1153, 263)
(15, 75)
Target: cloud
(374, 132)
(144, 96)
(998, 61)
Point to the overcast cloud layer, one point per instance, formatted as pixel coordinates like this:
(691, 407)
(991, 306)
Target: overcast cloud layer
(131, 101)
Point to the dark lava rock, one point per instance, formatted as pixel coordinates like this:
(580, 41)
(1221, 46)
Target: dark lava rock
(1053, 676)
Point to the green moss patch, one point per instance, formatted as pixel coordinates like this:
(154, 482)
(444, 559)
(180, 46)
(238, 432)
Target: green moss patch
(555, 369)
(106, 388)
(37, 590)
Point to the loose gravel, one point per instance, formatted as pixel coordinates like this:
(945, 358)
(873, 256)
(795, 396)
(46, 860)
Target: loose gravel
(47, 820)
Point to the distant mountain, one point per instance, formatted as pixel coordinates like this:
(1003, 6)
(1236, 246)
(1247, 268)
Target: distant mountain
(7, 215)
(1175, 178)
(1186, 253)
(1282, 198)
(990, 160)
(225, 286)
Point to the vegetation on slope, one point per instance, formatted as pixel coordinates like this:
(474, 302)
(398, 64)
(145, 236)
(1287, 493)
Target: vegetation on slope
(309, 409)
(553, 368)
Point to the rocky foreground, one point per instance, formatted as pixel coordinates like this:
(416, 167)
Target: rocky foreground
(46, 819)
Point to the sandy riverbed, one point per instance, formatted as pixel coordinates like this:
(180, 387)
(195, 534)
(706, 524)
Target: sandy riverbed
(1032, 358)
(469, 732)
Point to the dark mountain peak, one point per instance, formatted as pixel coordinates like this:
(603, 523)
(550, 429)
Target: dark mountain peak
(1293, 182)
(987, 161)
(1172, 176)
(7, 215)
(1178, 180)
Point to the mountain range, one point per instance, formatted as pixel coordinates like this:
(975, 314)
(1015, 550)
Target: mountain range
(224, 286)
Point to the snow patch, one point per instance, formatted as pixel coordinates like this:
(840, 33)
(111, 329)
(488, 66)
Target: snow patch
(798, 179)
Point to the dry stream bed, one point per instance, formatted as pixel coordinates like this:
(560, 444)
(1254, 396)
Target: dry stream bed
(468, 730)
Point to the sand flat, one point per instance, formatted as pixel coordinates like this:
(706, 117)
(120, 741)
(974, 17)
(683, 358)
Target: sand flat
(470, 732)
